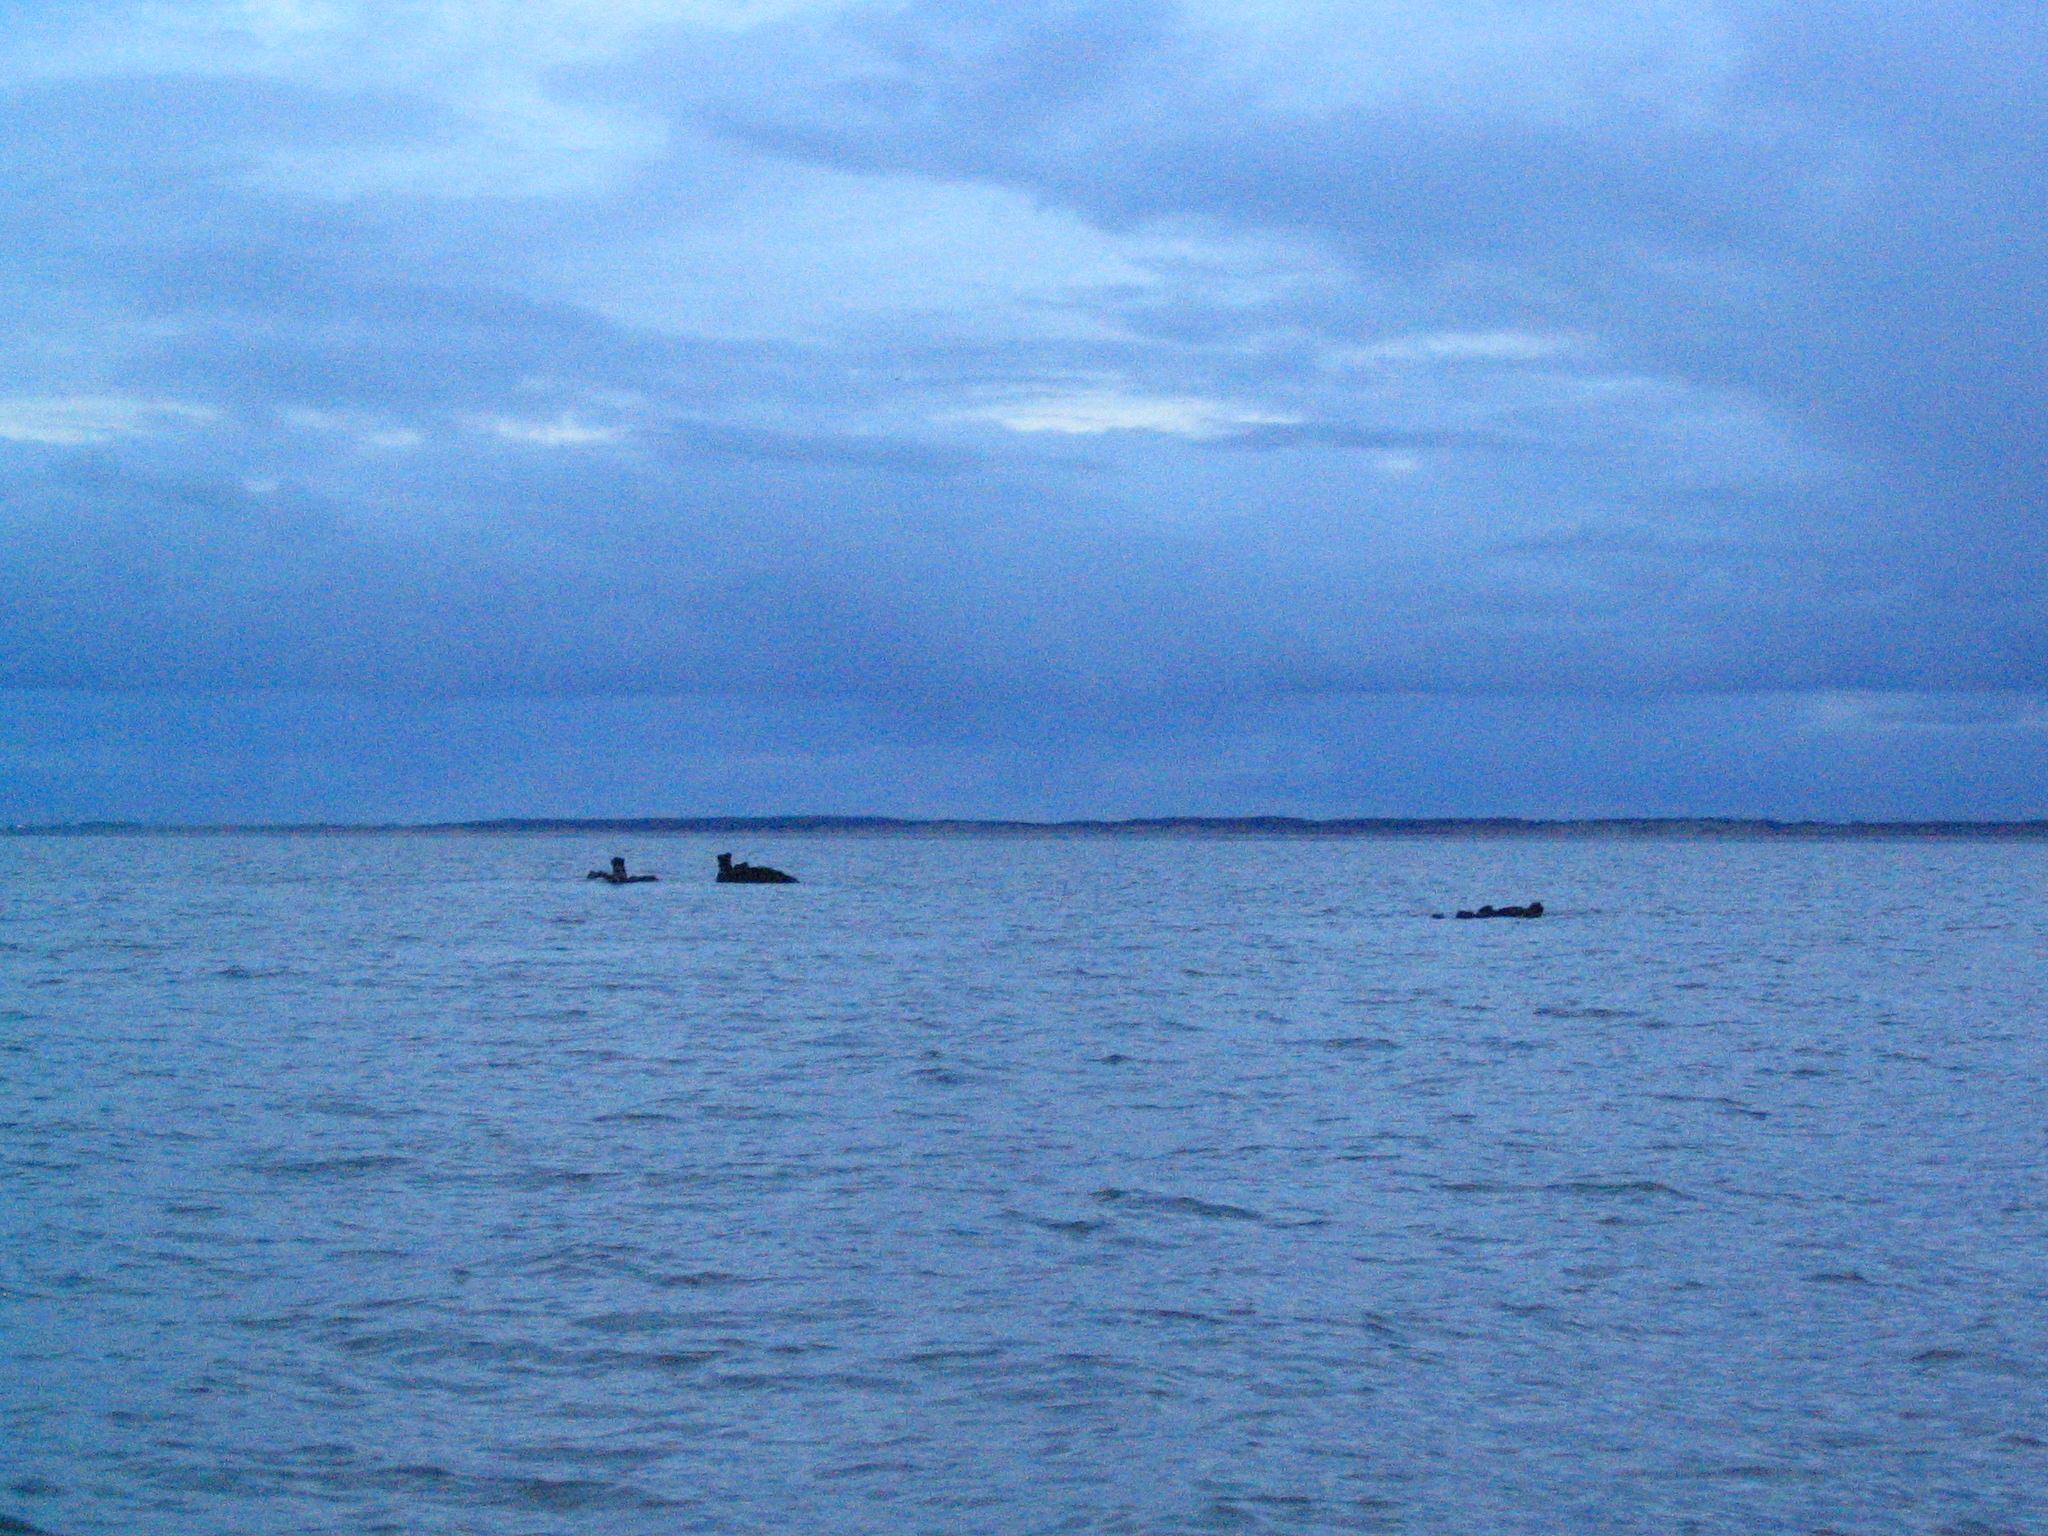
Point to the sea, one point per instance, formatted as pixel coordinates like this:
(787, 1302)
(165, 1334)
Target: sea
(362, 1184)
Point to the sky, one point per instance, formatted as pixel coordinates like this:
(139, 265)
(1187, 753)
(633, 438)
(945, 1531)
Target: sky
(434, 409)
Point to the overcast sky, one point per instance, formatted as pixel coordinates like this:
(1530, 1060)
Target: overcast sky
(421, 409)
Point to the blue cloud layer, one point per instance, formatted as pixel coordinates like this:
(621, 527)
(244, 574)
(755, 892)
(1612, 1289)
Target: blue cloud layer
(1113, 361)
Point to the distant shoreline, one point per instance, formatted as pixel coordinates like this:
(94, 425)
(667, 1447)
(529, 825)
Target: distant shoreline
(1162, 826)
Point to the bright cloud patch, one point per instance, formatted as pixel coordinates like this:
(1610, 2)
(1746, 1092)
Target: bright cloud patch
(812, 250)
(518, 143)
(72, 420)
(1872, 710)
(1188, 416)
(368, 431)
(562, 432)
(1468, 347)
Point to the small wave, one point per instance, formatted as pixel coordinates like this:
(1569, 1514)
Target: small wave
(549, 1494)
(418, 1344)
(584, 1261)
(954, 1357)
(1080, 1227)
(694, 1280)
(414, 1349)
(1295, 1511)
(742, 1114)
(1358, 1043)
(1176, 1315)
(602, 1362)
(636, 1322)
(867, 1469)
(330, 1167)
(1985, 1361)
(1543, 1316)
(590, 1455)
(800, 1381)
(1623, 1187)
(344, 1108)
(535, 1179)
(1733, 1106)
(1179, 1205)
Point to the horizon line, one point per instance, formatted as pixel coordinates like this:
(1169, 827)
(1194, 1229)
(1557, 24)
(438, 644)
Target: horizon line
(1356, 826)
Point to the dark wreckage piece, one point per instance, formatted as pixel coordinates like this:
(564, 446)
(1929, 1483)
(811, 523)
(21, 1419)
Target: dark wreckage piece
(743, 873)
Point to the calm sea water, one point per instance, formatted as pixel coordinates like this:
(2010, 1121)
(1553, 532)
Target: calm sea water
(416, 1185)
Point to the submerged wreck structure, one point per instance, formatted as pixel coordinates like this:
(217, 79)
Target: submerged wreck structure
(617, 875)
(744, 873)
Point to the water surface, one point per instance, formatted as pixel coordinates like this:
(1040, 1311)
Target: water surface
(1013, 1185)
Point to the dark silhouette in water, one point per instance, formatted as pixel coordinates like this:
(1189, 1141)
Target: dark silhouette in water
(743, 873)
(617, 875)
(1534, 909)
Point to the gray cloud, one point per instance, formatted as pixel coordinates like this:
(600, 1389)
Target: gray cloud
(1654, 359)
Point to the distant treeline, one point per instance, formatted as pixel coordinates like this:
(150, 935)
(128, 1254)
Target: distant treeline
(1195, 826)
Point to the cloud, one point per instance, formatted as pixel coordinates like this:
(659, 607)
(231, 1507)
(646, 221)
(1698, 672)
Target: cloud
(365, 429)
(807, 252)
(1089, 412)
(1866, 711)
(1465, 347)
(565, 431)
(947, 357)
(71, 420)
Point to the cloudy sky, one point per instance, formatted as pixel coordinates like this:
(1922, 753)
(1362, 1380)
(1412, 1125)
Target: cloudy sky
(420, 409)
